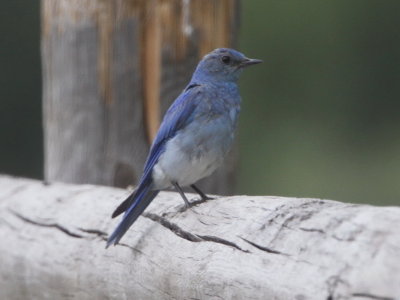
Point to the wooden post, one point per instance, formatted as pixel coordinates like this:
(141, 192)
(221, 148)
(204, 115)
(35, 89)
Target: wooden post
(110, 70)
(242, 247)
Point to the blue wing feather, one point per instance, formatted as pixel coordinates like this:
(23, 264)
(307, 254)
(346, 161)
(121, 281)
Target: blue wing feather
(176, 118)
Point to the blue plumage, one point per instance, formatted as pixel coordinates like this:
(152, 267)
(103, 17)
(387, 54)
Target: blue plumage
(195, 135)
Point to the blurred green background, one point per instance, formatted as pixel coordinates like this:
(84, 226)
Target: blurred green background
(320, 117)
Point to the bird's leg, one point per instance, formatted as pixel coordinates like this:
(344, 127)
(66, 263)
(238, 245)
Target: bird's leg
(203, 196)
(180, 191)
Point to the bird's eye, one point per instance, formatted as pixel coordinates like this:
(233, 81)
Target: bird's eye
(226, 59)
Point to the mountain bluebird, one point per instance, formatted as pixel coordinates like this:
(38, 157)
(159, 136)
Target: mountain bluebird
(195, 135)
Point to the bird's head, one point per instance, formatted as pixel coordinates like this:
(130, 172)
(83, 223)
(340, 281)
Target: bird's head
(222, 64)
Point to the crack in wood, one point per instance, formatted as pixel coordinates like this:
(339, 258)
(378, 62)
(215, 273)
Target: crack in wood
(61, 228)
(263, 248)
(312, 230)
(124, 245)
(173, 227)
(371, 296)
(292, 214)
(192, 237)
(284, 225)
(164, 222)
(351, 237)
(94, 231)
(50, 225)
(215, 239)
(335, 282)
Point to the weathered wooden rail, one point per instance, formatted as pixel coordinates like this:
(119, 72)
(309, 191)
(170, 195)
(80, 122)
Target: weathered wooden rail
(242, 247)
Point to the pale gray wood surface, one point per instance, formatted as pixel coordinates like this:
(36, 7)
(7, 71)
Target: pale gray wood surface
(93, 127)
(104, 62)
(241, 247)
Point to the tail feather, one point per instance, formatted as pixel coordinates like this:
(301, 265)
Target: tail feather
(138, 203)
(124, 205)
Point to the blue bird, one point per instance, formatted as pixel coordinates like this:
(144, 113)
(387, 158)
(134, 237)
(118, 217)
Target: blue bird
(194, 137)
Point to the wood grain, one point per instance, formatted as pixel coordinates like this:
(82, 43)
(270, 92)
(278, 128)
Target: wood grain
(242, 247)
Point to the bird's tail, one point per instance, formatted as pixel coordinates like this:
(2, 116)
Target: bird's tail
(137, 203)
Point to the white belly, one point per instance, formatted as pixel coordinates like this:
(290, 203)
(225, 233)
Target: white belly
(191, 157)
(174, 165)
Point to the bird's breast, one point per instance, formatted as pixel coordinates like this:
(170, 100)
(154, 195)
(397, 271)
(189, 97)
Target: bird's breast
(196, 150)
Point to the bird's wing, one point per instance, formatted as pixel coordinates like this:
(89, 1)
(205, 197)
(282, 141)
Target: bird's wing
(176, 118)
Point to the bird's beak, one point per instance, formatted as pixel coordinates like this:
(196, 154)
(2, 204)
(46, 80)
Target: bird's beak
(250, 61)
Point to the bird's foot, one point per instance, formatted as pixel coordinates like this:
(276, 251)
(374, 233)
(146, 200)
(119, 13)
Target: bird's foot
(205, 198)
(196, 201)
